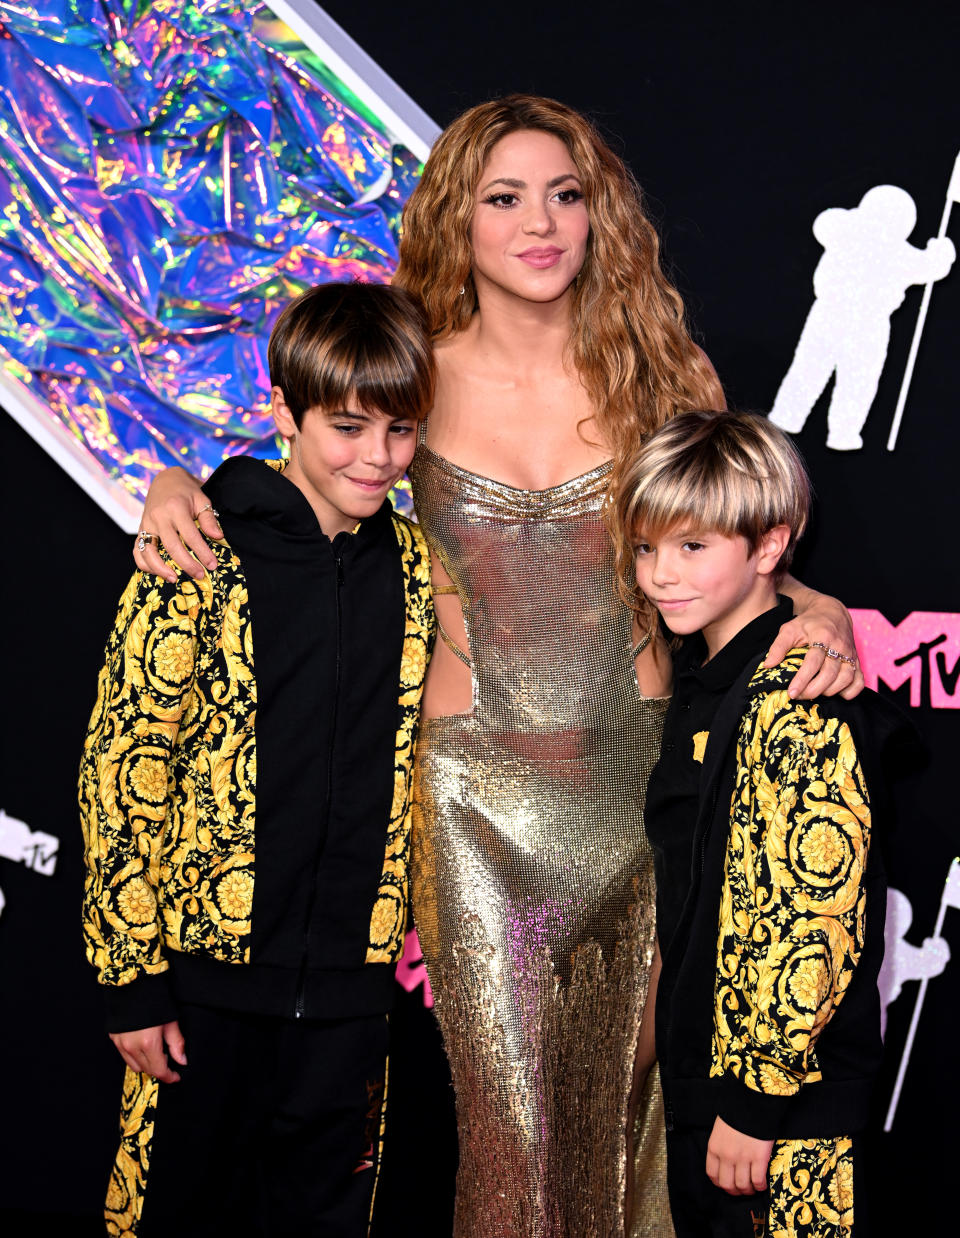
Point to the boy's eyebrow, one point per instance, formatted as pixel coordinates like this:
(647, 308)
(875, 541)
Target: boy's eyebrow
(512, 183)
(362, 415)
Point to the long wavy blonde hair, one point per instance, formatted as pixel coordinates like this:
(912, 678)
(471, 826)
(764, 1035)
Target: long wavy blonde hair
(629, 342)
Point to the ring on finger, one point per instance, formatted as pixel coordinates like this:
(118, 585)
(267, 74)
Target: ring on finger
(146, 539)
(834, 654)
(209, 508)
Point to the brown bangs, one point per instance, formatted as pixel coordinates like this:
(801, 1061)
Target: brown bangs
(365, 343)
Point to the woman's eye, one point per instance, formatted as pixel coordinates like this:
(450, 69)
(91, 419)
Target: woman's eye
(693, 545)
(347, 428)
(567, 197)
(501, 199)
(642, 548)
(401, 429)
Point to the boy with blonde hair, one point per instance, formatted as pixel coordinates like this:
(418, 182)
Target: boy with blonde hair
(770, 894)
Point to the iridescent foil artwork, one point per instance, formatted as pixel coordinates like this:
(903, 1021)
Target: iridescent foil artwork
(171, 174)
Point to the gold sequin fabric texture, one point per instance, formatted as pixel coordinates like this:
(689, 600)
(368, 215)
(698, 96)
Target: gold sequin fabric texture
(532, 877)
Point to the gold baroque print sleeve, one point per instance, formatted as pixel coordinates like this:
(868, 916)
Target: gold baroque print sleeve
(792, 908)
(142, 692)
(388, 922)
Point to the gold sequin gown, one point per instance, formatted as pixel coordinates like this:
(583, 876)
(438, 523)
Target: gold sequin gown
(532, 876)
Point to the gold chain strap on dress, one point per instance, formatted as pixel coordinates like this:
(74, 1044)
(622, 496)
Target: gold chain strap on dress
(638, 648)
(444, 636)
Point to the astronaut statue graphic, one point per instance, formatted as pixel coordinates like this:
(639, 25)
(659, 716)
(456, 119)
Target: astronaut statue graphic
(867, 266)
(903, 961)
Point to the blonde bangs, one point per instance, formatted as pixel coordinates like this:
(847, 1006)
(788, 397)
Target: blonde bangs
(730, 473)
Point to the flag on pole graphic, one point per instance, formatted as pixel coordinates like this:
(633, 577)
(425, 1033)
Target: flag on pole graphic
(951, 889)
(953, 195)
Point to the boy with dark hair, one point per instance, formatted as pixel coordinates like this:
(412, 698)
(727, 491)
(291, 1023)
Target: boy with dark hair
(245, 791)
(761, 809)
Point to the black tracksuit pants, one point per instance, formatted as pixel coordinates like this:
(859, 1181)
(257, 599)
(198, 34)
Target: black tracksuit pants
(274, 1129)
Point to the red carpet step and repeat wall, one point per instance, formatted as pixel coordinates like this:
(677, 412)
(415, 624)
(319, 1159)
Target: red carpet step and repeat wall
(171, 173)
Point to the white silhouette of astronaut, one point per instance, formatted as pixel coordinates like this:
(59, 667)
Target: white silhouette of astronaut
(31, 847)
(867, 267)
(901, 960)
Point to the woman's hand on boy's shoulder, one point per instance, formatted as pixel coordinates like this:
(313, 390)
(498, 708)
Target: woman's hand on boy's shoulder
(179, 515)
(831, 666)
(146, 1050)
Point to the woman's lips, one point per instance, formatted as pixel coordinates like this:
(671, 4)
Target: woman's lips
(672, 603)
(541, 258)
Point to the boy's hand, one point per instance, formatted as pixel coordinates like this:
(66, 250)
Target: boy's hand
(737, 1163)
(144, 1051)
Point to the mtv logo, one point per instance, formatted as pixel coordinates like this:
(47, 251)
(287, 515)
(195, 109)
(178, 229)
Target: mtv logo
(31, 847)
(923, 650)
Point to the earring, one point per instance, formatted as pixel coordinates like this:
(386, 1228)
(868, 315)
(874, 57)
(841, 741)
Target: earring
(463, 289)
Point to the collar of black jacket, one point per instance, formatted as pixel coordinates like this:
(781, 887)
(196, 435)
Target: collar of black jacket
(747, 647)
(254, 489)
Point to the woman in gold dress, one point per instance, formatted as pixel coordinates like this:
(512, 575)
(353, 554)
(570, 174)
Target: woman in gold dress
(560, 344)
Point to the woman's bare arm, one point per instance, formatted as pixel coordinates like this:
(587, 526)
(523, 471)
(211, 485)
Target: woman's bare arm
(180, 515)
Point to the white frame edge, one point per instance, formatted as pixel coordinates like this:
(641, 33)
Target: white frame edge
(408, 122)
(46, 429)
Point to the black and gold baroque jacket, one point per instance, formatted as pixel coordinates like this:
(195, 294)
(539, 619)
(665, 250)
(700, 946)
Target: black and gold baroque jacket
(768, 1012)
(168, 782)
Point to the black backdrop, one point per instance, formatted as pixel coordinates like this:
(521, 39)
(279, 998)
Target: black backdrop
(743, 121)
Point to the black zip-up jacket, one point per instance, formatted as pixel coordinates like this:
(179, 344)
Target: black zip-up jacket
(245, 785)
(767, 1007)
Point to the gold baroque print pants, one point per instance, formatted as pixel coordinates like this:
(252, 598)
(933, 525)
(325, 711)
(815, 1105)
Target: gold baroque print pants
(809, 1191)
